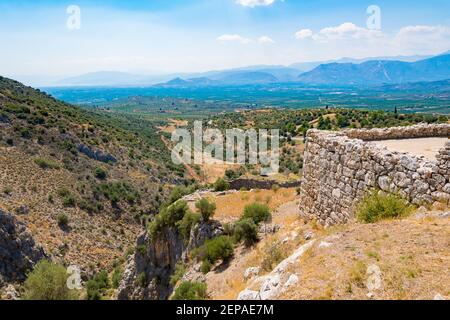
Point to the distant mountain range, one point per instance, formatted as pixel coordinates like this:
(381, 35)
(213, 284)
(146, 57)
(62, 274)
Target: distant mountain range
(378, 72)
(345, 71)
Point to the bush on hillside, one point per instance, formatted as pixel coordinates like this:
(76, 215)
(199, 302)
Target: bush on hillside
(378, 206)
(190, 291)
(221, 185)
(185, 225)
(46, 164)
(48, 281)
(206, 208)
(245, 230)
(63, 220)
(97, 285)
(168, 216)
(257, 212)
(220, 248)
(100, 173)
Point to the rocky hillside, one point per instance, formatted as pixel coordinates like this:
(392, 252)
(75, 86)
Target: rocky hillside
(19, 253)
(294, 259)
(80, 181)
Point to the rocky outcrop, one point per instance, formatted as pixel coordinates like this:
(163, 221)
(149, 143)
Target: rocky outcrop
(148, 271)
(18, 251)
(96, 154)
(340, 167)
(269, 286)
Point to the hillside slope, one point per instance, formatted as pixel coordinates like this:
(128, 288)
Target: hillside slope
(300, 260)
(80, 181)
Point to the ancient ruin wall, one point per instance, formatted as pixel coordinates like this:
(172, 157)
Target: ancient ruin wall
(340, 167)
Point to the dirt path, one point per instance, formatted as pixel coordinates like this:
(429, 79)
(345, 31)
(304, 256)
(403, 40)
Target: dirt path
(189, 169)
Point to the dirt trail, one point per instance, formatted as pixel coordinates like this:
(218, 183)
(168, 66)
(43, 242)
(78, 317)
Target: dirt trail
(189, 169)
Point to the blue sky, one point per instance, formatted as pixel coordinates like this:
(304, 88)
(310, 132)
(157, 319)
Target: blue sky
(164, 36)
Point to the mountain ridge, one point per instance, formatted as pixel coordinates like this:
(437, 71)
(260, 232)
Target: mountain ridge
(288, 73)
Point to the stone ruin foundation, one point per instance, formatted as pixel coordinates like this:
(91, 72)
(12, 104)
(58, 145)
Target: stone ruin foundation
(340, 167)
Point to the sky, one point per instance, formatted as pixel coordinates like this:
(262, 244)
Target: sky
(66, 38)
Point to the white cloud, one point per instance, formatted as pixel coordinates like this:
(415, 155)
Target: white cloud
(344, 31)
(423, 31)
(265, 40)
(254, 3)
(423, 37)
(233, 38)
(304, 34)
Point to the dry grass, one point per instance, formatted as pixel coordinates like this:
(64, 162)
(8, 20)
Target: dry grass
(230, 207)
(413, 256)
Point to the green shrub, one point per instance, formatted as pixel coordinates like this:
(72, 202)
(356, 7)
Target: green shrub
(97, 285)
(63, 220)
(378, 206)
(117, 191)
(185, 225)
(206, 266)
(116, 277)
(206, 208)
(142, 249)
(48, 281)
(141, 280)
(273, 255)
(8, 191)
(168, 216)
(180, 271)
(178, 192)
(190, 291)
(246, 230)
(100, 173)
(221, 185)
(63, 192)
(220, 248)
(46, 164)
(69, 201)
(257, 212)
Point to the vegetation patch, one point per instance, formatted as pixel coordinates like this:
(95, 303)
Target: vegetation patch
(378, 206)
(206, 208)
(97, 286)
(46, 163)
(221, 185)
(48, 281)
(257, 212)
(220, 248)
(190, 291)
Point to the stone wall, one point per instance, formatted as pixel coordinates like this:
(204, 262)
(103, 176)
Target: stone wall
(249, 184)
(339, 168)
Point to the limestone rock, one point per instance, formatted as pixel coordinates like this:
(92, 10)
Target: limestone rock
(293, 280)
(249, 295)
(18, 251)
(251, 272)
(159, 260)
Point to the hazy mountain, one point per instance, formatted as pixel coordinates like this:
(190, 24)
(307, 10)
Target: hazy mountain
(380, 72)
(225, 78)
(111, 78)
(308, 66)
(333, 71)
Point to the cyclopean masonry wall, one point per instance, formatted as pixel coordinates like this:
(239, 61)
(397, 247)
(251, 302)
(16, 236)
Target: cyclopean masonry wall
(340, 167)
